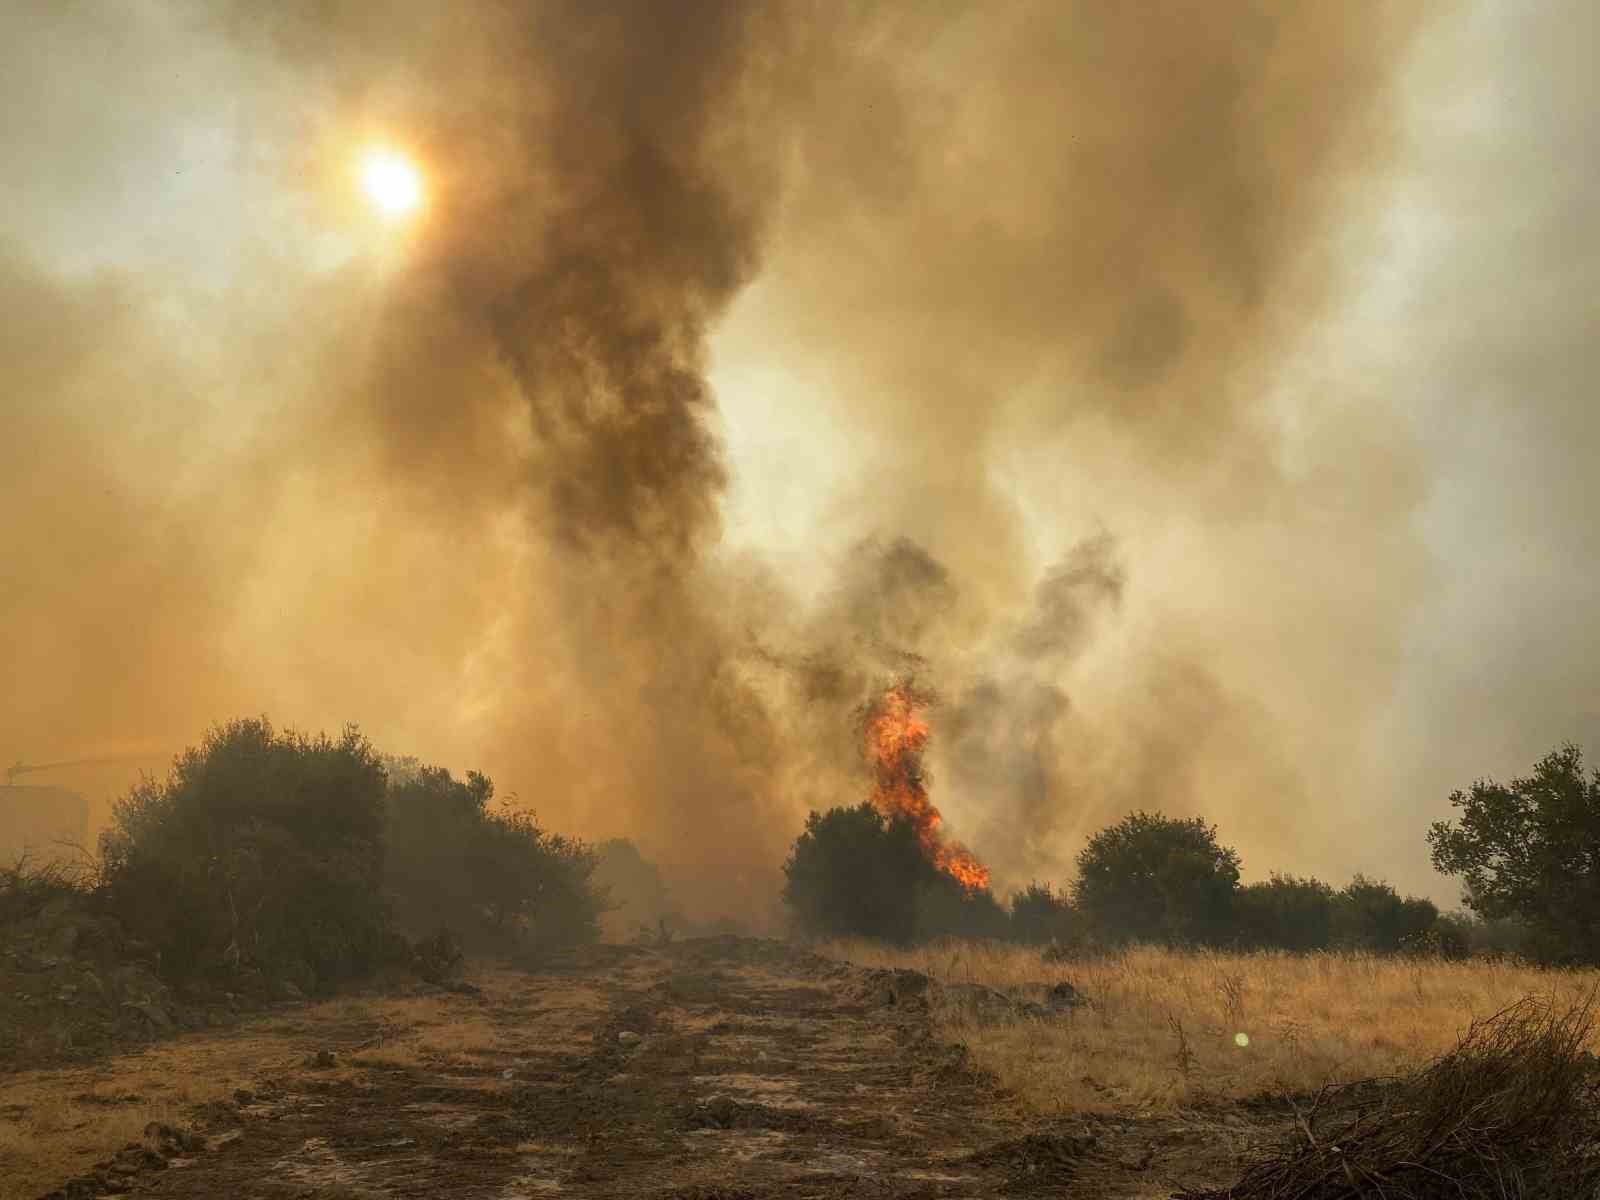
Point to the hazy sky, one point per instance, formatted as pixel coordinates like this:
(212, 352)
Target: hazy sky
(1199, 395)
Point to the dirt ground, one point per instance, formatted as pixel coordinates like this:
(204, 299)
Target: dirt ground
(716, 1069)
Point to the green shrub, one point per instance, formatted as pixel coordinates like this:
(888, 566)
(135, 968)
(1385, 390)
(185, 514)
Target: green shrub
(1285, 913)
(494, 876)
(259, 850)
(1040, 915)
(1152, 878)
(1370, 915)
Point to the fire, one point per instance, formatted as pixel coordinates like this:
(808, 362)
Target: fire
(896, 735)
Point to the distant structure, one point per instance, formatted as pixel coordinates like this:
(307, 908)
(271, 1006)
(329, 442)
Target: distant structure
(45, 824)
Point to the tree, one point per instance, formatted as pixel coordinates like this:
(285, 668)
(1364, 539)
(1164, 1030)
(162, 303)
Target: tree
(1285, 913)
(1159, 879)
(1531, 850)
(262, 850)
(854, 872)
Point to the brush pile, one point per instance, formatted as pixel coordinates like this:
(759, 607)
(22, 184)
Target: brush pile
(1510, 1112)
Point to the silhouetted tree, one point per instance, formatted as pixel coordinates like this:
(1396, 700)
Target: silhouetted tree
(855, 873)
(1531, 850)
(1160, 879)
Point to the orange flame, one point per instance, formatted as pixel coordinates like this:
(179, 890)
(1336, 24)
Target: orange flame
(896, 735)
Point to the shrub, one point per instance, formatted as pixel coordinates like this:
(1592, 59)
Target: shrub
(640, 904)
(1370, 915)
(1508, 1113)
(1285, 913)
(259, 850)
(1153, 878)
(944, 908)
(1040, 915)
(494, 876)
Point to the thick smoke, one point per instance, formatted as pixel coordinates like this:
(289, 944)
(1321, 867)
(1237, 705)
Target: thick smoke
(1068, 298)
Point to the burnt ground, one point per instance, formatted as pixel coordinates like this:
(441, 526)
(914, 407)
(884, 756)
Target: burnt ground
(716, 1069)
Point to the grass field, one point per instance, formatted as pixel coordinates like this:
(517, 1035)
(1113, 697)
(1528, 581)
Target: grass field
(1168, 1029)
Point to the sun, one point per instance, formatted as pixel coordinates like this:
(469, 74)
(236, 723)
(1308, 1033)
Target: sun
(392, 182)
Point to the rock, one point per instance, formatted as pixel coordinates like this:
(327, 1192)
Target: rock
(628, 1037)
(243, 1097)
(323, 1060)
(463, 989)
(286, 989)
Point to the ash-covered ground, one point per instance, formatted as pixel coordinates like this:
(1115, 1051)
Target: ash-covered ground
(710, 1069)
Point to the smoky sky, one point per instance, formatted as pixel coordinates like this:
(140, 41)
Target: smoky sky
(1195, 396)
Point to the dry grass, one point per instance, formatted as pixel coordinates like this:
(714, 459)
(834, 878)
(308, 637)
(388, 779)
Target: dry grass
(57, 1123)
(1163, 1028)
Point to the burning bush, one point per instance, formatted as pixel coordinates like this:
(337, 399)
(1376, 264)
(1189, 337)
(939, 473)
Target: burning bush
(494, 876)
(1511, 1112)
(260, 850)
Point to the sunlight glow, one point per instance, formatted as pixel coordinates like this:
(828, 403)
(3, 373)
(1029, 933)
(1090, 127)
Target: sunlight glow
(392, 182)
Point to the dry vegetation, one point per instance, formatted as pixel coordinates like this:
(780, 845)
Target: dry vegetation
(1162, 1029)
(55, 1123)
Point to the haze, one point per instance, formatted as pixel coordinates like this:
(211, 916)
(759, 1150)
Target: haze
(1197, 396)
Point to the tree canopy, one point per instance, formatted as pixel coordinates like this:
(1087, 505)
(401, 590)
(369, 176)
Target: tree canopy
(1530, 850)
(1158, 879)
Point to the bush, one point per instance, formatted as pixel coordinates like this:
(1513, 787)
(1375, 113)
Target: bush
(1153, 878)
(495, 877)
(260, 850)
(1285, 913)
(640, 904)
(1040, 915)
(1508, 1113)
(1370, 915)
(28, 888)
(944, 908)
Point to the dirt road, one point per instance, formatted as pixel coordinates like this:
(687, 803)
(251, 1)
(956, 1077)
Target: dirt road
(720, 1069)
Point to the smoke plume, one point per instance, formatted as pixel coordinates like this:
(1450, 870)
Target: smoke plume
(748, 357)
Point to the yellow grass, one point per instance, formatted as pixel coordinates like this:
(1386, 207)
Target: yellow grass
(1306, 1020)
(58, 1123)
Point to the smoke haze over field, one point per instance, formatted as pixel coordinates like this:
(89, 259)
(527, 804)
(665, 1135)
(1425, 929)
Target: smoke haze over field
(1197, 397)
